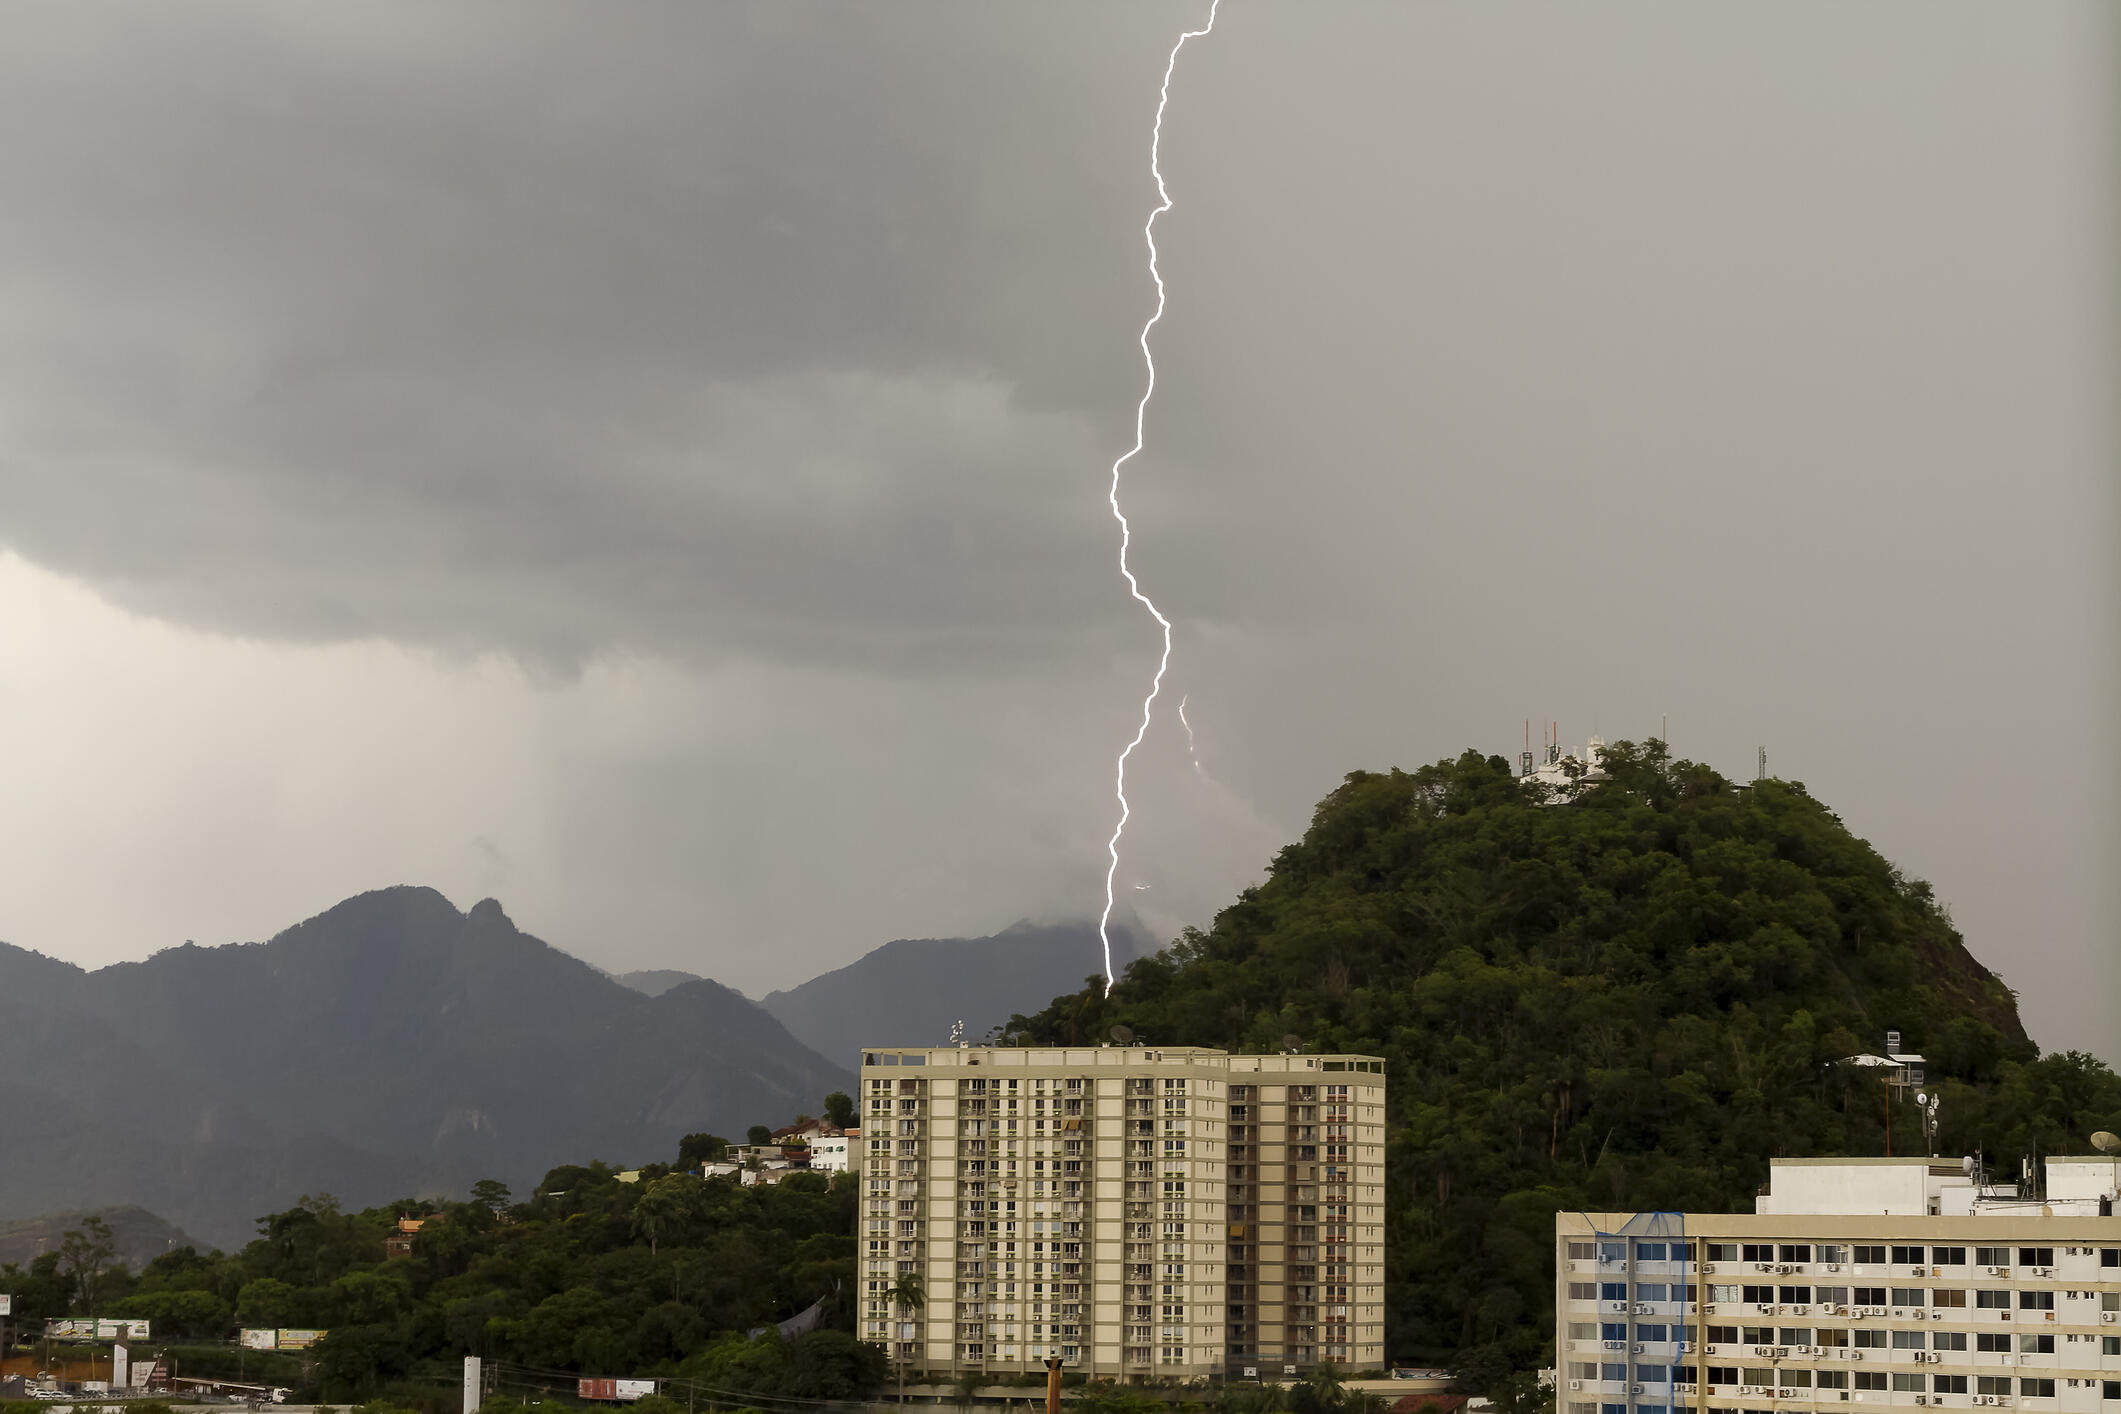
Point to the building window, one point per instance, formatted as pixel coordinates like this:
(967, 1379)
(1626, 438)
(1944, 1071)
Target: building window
(2037, 1389)
(1871, 1254)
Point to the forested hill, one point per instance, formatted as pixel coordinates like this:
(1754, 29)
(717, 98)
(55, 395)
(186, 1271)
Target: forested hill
(1622, 1003)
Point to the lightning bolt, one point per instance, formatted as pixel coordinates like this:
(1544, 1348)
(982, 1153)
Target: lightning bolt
(1191, 754)
(1126, 533)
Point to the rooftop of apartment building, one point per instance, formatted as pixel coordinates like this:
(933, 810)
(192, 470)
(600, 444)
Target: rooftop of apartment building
(1114, 1056)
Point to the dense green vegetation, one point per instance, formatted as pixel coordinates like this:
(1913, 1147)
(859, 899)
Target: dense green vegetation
(663, 1276)
(1623, 1003)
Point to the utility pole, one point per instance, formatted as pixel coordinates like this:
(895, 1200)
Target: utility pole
(1053, 1382)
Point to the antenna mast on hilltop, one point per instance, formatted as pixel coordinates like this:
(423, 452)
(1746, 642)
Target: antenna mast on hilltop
(1761, 773)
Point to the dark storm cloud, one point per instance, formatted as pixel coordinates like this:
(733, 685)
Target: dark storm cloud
(763, 364)
(719, 329)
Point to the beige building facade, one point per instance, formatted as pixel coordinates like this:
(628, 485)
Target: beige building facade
(1901, 1283)
(1138, 1212)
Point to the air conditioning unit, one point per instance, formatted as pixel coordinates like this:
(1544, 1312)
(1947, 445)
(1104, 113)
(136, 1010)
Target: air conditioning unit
(1619, 1308)
(1921, 1315)
(2048, 1314)
(1833, 1266)
(1708, 1269)
(1999, 1271)
(1642, 1309)
(1936, 1271)
(1765, 1310)
(1575, 1384)
(1638, 1348)
(1801, 1310)
(2047, 1272)
(1782, 1352)
(2106, 1318)
(1784, 1269)
(1615, 1344)
(2003, 1315)
(1709, 1309)
(1917, 1271)
(1855, 1355)
(1686, 1347)
(1841, 1310)
(1634, 1389)
(1693, 1308)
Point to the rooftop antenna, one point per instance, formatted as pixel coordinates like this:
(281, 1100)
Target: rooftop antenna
(1926, 1106)
(1761, 774)
(1664, 729)
(957, 1032)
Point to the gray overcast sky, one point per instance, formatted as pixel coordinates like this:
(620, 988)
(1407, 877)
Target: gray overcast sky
(649, 464)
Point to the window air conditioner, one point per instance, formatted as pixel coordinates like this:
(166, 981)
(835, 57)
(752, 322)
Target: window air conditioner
(2047, 1272)
(1855, 1355)
(2106, 1317)
(1614, 1344)
(1784, 1269)
(1638, 1348)
(1634, 1389)
(1708, 1269)
(1916, 1272)
(1575, 1384)
(1922, 1399)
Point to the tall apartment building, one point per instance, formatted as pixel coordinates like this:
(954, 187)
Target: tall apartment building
(1905, 1283)
(1135, 1211)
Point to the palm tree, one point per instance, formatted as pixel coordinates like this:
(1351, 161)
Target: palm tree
(908, 1296)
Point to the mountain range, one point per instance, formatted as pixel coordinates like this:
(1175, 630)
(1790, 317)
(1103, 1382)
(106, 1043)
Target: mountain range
(395, 1046)
(390, 1046)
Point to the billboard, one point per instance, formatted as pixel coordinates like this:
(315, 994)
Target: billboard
(622, 1391)
(299, 1339)
(105, 1329)
(267, 1339)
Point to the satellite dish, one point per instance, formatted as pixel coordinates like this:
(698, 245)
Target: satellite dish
(1921, 1099)
(1123, 1034)
(1967, 1164)
(2107, 1142)
(1292, 1042)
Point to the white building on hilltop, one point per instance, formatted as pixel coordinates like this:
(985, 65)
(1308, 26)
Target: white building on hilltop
(1903, 1283)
